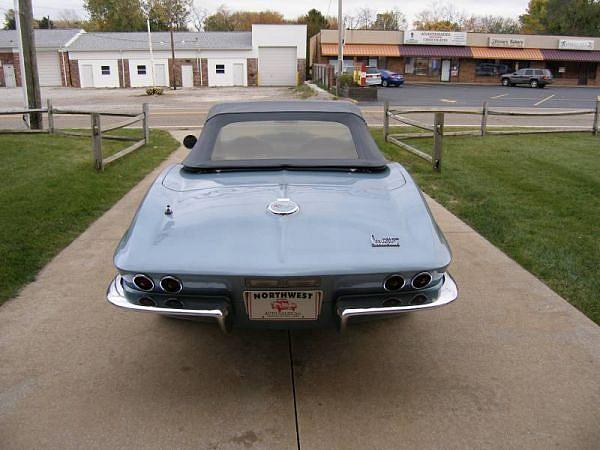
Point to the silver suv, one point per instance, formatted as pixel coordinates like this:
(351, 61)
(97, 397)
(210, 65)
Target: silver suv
(536, 78)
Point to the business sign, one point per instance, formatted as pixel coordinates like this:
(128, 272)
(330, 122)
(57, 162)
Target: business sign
(506, 42)
(458, 38)
(576, 44)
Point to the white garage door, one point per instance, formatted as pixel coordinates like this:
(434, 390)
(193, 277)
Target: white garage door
(49, 68)
(277, 66)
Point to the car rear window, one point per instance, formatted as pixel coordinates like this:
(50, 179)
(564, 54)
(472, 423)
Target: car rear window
(284, 139)
(372, 70)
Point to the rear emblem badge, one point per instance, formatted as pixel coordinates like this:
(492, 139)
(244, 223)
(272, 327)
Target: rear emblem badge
(283, 207)
(385, 241)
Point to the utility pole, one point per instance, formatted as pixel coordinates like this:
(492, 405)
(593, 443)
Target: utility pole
(173, 59)
(29, 73)
(340, 48)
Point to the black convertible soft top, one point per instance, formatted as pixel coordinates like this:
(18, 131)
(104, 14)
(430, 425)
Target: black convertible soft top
(369, 156)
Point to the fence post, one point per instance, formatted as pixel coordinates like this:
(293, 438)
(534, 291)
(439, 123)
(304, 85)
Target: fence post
(50, 117)
(438, 133)
(484, 117)
(146, 123)
(386, 120)
(97, 141)
(596, 116)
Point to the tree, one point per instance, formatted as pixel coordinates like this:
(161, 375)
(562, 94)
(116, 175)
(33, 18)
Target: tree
(9, 20)
(219, 21)
(45, 23)
(315, 22)
(571, 17)
(225, 20)
(492, 24)
(534, 19)
(390, 20)
(68, 18)
(440, 16)
(364, 18)
(115, 15)
(198, 16)
(243, 20)
(167, 15)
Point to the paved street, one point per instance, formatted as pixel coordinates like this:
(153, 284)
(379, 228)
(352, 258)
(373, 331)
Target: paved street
(510, 364)
(186, 109)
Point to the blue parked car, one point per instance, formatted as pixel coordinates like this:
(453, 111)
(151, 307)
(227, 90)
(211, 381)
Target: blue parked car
(389, 78)
(284, 215)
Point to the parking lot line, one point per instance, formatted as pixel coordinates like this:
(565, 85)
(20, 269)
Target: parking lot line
(498, 96)
(544, 100)
(446, 100)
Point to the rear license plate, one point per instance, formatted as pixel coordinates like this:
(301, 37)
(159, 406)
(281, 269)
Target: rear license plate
(283, 305)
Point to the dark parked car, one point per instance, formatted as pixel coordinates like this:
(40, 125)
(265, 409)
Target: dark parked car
(536, 78)
(389, 78)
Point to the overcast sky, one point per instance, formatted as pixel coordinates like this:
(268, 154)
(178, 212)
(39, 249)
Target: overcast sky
(292, 9)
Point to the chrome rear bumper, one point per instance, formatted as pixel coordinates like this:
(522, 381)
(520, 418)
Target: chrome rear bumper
(116, 295)
(448, 293)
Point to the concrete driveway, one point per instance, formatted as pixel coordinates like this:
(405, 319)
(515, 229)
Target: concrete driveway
(508, 365)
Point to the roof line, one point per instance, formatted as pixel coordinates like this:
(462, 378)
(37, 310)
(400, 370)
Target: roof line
(74, 38)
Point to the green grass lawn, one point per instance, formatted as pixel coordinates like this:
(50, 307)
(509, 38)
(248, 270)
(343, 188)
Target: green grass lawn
(51, 193)
(536, 197)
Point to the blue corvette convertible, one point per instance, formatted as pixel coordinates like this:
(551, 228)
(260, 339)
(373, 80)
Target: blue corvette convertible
(389, 78)
(283, 215)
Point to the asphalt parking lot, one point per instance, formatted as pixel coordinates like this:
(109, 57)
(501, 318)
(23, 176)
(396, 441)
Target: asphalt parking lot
(497, 96)
(509, 365)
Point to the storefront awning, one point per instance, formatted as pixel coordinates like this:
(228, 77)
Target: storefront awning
(571, 55)
(361, 50)
(435, 51)
(521, 54)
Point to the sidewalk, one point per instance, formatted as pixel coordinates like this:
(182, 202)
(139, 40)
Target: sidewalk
(508, 365)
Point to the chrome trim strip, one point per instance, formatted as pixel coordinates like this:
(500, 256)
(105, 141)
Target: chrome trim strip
(448, 293)
(116, 296)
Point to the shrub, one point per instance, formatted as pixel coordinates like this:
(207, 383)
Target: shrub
(346, 79)
(154, 91)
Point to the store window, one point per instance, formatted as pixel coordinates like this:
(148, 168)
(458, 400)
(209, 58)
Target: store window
(220, 68)
(427, 67)
(105, 70)
(572, 69)
(492, 68)
(497, 67)
(141, 69)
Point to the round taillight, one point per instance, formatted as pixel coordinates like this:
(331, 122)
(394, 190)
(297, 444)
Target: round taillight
(390, 302)
(171, 285)
(421, 280)
(143, 282)
(147, 301)
(393, 283)
(174, 303)
(418, 300)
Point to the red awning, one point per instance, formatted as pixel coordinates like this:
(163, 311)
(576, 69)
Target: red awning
(571, 55)
(361, 50)
(435, 51)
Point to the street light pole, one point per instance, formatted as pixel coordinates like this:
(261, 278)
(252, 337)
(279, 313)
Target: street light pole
(340, 48)
(151, 53)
